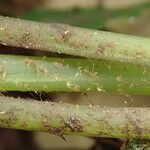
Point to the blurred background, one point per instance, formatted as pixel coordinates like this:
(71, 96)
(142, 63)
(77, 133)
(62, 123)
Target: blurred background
(123, 16)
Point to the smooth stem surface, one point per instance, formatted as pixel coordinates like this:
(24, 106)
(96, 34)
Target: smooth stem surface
(62, 119)
(75, 41)
(22, 73)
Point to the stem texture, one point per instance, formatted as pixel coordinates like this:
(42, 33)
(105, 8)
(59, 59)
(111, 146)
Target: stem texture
(138, 144)
(22, 73)
(74, 41)
(62, 119)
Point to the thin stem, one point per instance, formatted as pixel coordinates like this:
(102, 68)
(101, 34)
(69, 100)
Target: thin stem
(22, 73)
(62, 119)
(75, 41)
(138, 144)
(95, 18)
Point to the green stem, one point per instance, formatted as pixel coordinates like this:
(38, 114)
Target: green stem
(62, 119)
(22, 73)
(95, 18)
(75, 41)
(137, 144)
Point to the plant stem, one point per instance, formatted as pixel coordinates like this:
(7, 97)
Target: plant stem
(75, 41)
(137, 144)
(95, 18)
(22, 73)
(62, 119)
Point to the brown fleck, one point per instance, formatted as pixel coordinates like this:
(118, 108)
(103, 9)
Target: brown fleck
(10, 118)
(104, 46)
(25, 40)
(103, 120)
(138, 55)
(47, 127)
(63, 30)
(73, 123)
(55, 131)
